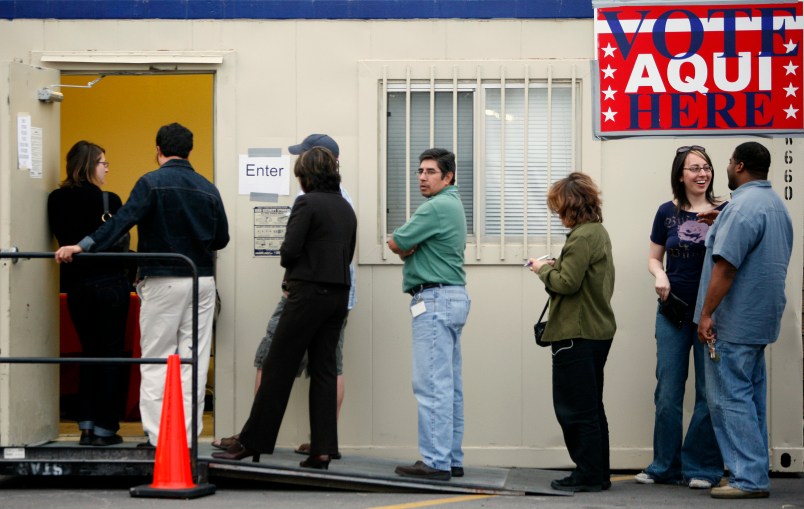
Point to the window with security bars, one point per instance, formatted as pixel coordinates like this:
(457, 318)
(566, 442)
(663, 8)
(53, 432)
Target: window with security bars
(402, 163)
(527, 148)
(510, 143)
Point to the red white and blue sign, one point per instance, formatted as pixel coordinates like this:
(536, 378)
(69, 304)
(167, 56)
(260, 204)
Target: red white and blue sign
(709, 67)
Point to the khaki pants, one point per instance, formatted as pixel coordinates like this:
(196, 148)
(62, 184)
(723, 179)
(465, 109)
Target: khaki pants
(166, 327)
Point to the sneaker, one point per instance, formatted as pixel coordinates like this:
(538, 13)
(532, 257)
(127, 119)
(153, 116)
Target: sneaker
(730, 492)
(644, 478)
(700, 484)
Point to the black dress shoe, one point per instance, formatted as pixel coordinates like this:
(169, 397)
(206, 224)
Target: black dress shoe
(304, 449)
(99, 441)
(237, 452)
(456, 471)
(321, 462)
(573, 485)
(86, 437)
(420, 470)
(225, 443)
(146, 445)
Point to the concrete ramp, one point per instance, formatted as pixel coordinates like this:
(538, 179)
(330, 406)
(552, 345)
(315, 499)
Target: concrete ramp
(353, 472)
(359, 473)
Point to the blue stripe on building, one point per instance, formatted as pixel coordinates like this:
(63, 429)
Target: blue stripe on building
(294, 9)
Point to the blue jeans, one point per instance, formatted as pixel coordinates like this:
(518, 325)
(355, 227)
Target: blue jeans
(737, 391)
(698, 457)
(437, 381)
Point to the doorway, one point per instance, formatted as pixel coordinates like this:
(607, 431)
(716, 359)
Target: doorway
(121, 113)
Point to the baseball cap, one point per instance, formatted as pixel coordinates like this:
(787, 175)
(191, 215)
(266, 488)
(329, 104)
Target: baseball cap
(315, 140)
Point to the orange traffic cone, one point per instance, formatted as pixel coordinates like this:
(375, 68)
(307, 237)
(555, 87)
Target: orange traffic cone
(172, 476)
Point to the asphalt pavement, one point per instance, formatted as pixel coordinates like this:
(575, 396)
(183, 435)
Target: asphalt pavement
(787, 492)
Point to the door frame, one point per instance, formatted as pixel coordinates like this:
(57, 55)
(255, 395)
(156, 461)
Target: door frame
(222, 64)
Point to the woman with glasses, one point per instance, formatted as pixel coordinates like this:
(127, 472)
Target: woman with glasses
(580, 329)
(678, 234)
(97, 291)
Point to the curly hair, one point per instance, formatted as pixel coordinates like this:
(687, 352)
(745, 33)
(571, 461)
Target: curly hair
(174, 140)
(82, 159)
(317, 170)
(755, 157)
(576, 200)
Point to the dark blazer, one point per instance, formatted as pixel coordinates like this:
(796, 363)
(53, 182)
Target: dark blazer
(320, 239)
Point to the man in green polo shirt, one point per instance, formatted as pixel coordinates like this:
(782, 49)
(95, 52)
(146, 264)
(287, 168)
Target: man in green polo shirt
(432, 244)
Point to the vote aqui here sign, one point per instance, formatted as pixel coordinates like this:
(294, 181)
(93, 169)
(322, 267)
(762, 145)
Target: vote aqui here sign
(675, 68)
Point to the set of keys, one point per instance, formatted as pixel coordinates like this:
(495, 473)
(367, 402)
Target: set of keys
(712, 353)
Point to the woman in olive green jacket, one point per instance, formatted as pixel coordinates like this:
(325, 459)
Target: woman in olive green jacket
(580, 329)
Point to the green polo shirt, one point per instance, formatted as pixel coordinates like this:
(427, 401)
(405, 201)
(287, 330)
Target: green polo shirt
(438, 231)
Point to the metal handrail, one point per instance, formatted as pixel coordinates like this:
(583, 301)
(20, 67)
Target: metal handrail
(123, 360)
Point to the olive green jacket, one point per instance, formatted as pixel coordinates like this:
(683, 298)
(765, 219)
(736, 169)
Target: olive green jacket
(580, 286)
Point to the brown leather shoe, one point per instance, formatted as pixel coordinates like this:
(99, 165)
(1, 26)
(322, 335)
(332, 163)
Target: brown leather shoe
(420, 470)
(237, 452)
(732, 493)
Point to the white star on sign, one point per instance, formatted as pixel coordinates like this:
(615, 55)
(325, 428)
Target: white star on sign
(608, 72)
(609, 50)
(609, 115)
(609, 94)
(790, 46)
(790, 90)
(791, 112)
(790, 68)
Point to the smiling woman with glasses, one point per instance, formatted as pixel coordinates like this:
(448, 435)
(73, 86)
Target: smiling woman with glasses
(678, 234)
(696, 168)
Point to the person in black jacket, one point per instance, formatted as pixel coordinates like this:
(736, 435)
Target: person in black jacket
(178, 211)
(316, 253)
(97, 291)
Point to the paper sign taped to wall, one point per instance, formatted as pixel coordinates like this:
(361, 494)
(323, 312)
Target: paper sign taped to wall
(24, 149)
(264, 175)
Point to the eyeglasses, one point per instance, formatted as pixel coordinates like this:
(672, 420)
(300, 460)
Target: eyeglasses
(697, 169)
(104, 163)
(687, 148)
(429, 172)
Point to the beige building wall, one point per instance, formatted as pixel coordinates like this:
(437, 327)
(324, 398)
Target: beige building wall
(276, 82)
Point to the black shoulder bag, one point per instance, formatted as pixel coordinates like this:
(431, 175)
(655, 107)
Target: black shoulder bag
(538, 329)
(674, 309)
(122, 244)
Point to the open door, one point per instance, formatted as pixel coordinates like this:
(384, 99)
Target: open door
(29, 407)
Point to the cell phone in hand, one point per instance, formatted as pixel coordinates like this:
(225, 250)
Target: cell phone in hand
(541, 258)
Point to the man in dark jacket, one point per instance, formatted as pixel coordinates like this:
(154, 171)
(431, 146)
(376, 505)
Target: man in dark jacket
(176, 211)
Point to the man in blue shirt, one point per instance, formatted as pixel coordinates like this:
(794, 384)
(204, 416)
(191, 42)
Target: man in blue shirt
(432, 244)
(740, 303)
(179, 211)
